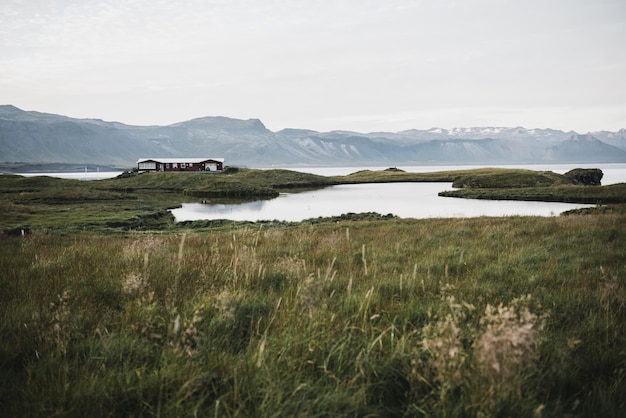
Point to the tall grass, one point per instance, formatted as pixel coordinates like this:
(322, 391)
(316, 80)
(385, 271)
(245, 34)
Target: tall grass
(466, 317)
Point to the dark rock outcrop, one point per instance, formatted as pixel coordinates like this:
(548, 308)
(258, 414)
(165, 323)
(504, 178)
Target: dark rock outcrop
(586, 176)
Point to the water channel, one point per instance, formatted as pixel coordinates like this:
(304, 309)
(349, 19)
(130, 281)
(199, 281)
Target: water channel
(406, 200)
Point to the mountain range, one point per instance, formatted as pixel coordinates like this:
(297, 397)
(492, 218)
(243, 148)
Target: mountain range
(43, 138)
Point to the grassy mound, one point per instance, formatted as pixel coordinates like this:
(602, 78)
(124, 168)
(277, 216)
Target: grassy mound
(509, 178)
(394, 175)
(614, 193)
(242, 181)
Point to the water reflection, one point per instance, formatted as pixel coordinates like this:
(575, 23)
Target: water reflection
(226, 209)
(406, 200)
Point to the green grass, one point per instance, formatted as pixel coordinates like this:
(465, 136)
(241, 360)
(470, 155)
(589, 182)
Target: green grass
(390, 175)
(614, 193)
(509, 178)
(478, 177)
(384, 317)
(63, 205)
(239, 182)
(130, 202)
(519, 184)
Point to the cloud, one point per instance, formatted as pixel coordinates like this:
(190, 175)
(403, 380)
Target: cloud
(293, 60)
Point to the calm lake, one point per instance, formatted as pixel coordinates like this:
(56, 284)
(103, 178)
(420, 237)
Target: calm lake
(406, 200)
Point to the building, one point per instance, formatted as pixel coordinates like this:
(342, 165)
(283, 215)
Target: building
(213, 165)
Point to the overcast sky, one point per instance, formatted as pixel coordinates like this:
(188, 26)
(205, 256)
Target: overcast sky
(361, 65)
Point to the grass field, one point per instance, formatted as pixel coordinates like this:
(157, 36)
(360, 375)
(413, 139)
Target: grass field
(475, 317)
(348, 317)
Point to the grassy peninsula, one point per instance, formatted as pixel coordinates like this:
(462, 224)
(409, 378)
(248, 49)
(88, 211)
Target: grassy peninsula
(517, 316)
(503, 184)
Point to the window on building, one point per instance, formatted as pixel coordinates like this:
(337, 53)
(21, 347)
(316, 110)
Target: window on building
(149, 165)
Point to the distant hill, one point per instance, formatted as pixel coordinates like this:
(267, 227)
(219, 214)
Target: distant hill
(34, 137)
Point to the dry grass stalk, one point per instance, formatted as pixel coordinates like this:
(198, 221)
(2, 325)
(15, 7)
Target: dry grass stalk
(443, 341)
(144, 245)
(187, 341)
(508, 341)
(60, 326)
(292, 267)
(132, 283)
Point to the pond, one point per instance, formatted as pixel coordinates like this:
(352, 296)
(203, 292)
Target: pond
(406, 200)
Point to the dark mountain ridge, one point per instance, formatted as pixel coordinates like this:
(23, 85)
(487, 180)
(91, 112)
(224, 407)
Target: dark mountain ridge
(34, 137)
